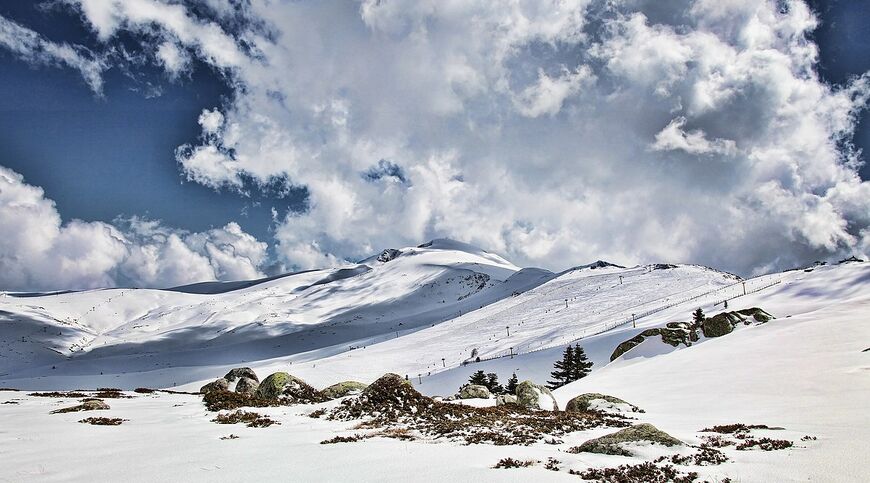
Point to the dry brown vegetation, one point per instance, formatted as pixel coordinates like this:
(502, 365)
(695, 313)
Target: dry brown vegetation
(645, 472)
(103, 421)
(512, 463)
(251, 419)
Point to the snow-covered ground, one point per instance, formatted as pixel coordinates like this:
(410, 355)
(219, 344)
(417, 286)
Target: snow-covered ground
(430, 313)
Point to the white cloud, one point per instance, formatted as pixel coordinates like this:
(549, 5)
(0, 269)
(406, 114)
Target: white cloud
(527, 127)
(673, 137)
(34, 48)
(42, 253)
(173, 59)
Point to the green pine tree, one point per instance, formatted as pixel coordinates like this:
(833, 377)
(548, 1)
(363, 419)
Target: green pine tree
(492, 383)
(478, 378)
(582, 365)
(512, 384)
(564, 369)
(698, 316)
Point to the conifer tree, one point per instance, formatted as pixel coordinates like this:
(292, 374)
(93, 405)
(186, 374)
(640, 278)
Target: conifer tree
(564, 369)
(698, 316)
(478, 378)
(582, 366)
(512, 384)
(492, 383)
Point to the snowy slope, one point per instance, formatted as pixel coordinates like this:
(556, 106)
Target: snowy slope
(135, 330)
(807, 371)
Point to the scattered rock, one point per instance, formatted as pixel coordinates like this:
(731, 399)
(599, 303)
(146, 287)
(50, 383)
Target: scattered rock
(534, 396)
(609, 444)
(503, 399)
(246, 385)
(582, 402)
(288, 388)
(756, 313)
(474, 391)
(89, 405)
(240, 372)
(720, 324)
(626, 346)
(343, 389)
(388, 255)
(218, 385)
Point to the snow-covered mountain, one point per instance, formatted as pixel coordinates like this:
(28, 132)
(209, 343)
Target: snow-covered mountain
(438, 313)
(417, 311)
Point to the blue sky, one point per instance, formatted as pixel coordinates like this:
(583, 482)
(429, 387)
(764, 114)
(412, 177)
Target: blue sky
(322, 95)
(101, 157)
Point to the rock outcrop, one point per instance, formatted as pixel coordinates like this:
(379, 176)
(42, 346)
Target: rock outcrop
(610, 444)
(240, 372)
(503, 399)
(218, 385)
(584, 402)
(282, 385)
(246, 385)
(474, 391)
(685, 333)
(89, 405)
(342, 389)
(535, 396)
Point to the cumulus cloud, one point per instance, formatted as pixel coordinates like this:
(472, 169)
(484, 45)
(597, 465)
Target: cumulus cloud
(36, 49)
(673, 137)
(553, 132)
(43, 253)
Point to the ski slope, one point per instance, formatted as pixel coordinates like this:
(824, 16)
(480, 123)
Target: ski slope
(136, 330)
(417, 311)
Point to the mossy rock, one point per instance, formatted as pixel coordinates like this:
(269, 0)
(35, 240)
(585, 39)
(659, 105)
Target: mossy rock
(286, 387)
(535, 396)
(474, 391)
(342, 389)
(756, 313)
(503, 399)
(626, 346)
(218, 385)
(89, 405)
(720, 324)
(610, 444)
(240, 372)
(582, 402)
(246, 385)
(676, 336)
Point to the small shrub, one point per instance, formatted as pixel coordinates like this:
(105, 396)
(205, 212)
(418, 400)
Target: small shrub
(809, 438)
(251, 419)
(765, 444)
(552, 464)
(230, 436)
(71, 395)
(344, 439)
(630, 473)
(110, 393)
(145, 390)
(317, 413)
(225, 400)
(103, 421)
(735, 428)
(512, 463)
